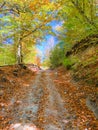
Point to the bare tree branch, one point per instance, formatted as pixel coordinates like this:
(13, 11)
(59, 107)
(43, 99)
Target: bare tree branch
(26, 35)
(39, 27)
(2, 5)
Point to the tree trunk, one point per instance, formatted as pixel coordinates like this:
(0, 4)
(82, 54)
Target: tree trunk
(19, 54)
(92, 9)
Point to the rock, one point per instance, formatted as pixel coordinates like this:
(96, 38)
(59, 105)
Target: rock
(96, 112)
(23, 66)
(92, 106)
(12, 101)
(65, 92)
(19, 126)
(3, 79)
(15, 72)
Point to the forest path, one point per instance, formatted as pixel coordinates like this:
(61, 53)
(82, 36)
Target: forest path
(50, 100)
(38, 106)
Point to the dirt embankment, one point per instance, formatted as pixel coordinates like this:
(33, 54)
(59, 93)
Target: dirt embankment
(85, 55)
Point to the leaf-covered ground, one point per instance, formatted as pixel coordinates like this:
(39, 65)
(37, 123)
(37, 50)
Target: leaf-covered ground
(46, 100)
(12, 81)
(75, 95)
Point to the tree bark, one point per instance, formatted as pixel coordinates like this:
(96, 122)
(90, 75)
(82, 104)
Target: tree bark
(19, 53)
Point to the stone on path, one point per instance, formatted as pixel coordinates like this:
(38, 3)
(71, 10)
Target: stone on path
(19, 126)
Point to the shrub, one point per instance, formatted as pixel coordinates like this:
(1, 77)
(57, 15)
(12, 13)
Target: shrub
(56, 56)
(67, 62)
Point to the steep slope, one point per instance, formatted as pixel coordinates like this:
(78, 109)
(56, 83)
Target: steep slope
(86, 66)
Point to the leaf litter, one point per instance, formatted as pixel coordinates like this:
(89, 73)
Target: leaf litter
(33, 101)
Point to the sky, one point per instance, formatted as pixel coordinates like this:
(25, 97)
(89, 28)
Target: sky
(49, 42)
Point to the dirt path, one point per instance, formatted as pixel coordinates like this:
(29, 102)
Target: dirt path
(48, 100)
(37, 106)
(52, 106)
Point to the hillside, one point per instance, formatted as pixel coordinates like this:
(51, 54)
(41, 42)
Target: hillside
(86, 66)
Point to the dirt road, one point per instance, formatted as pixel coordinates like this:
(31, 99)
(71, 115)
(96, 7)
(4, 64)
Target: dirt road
(47, 100)
(37, 106)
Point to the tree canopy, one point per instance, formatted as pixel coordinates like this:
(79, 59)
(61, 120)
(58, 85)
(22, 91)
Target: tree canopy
(26, 22)
(79, 20)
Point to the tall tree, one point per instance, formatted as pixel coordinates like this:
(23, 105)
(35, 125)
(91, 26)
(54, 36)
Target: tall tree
(28, 20)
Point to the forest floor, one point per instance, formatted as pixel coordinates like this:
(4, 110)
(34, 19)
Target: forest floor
(43, 100)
